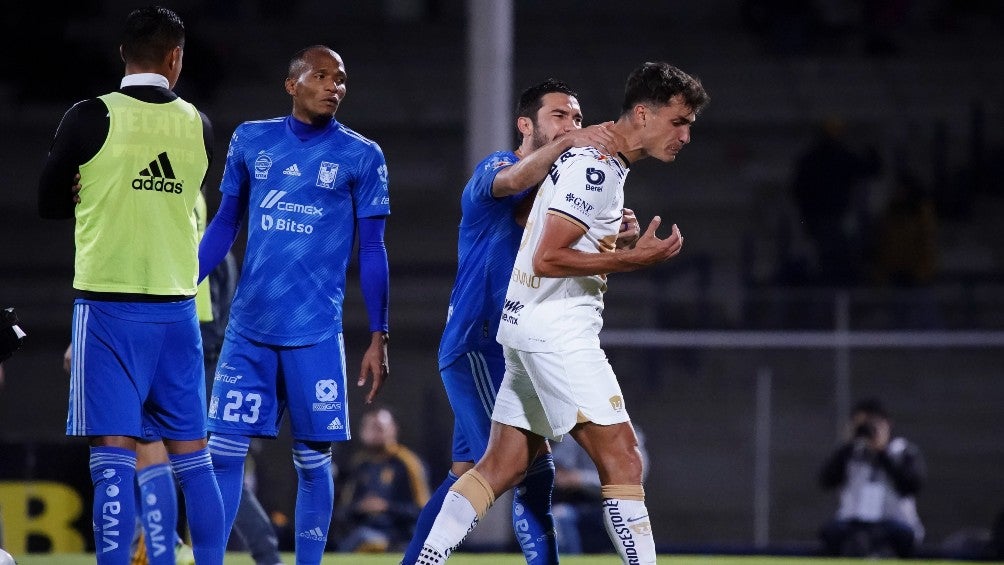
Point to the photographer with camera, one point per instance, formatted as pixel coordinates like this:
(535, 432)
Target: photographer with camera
(878, 477)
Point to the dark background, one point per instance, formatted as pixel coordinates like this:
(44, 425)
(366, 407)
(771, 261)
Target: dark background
(916, 83)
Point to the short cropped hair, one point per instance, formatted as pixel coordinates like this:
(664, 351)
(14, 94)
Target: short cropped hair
(657, 83)
(298, 62)
(531, 100)
(150, 34)
(871, 407)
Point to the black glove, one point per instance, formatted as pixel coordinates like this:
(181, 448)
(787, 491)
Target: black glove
(11, 335)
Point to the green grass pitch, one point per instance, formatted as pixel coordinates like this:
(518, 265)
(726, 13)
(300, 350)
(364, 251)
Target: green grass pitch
(502, 559)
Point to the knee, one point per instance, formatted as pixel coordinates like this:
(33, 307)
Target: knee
(312, 460)
(500, 476)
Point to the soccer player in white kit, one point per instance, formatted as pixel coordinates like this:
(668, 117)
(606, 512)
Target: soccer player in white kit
(557, 378)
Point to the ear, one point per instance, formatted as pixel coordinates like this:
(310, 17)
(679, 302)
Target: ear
(291, 86)
(174, 58)
(121, 55)
(524, 125)
(640, 114)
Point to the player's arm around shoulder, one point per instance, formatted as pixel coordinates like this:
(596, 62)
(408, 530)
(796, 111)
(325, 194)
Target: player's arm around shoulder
(531, 169)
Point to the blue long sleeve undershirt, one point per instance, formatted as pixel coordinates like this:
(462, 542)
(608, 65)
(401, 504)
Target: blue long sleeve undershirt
(221, 232)
(374, 274)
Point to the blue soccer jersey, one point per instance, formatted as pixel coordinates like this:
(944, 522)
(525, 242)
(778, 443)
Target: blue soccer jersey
(488, 240)
(304, 198)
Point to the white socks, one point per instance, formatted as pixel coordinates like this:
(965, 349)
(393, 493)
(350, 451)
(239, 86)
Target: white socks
(456, 518)
(629, 529)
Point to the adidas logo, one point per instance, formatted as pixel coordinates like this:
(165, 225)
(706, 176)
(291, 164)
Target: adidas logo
(158, 176)
(316, 534)
(336, 424)
(292, 170)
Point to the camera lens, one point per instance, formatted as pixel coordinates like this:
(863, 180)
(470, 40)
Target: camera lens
(865, 430)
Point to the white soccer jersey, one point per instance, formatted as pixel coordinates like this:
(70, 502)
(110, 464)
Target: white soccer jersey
(586, 188)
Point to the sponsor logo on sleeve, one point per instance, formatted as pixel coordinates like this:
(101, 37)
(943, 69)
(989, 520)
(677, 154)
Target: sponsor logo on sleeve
(594, 179)
(579, 203)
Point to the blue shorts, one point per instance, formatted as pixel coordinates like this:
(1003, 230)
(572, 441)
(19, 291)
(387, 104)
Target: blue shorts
(256, 382)
(136, 370)
(471, 382)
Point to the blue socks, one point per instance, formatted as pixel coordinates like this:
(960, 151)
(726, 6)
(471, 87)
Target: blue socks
(532, 520)
(228, 453)
(203, 505)
(315, 497)
(158, 510)
(113, 473)
(426, 519)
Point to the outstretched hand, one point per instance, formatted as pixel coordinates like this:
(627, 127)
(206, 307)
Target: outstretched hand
(650, 249)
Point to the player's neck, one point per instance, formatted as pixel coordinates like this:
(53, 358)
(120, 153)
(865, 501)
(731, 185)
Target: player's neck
(633, 150)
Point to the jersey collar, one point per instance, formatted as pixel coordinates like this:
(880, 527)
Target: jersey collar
(145, 79)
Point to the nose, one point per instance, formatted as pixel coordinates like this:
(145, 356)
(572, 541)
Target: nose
(685, 136)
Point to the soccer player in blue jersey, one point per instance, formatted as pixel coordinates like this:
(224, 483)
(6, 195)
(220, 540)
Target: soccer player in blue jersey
(494, 205)
(308, 183)
(557, 378)
(136, 368)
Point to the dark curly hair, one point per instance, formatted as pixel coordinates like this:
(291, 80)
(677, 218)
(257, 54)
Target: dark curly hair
(657, 83)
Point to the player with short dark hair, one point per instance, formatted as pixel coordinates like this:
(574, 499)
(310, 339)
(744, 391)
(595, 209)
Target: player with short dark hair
(494, 204)
(308, 184)
(557, 378)
(137, 373)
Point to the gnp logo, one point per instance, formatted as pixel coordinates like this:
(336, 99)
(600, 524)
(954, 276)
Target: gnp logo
(158, 176)
(579, 204)
(594, 179)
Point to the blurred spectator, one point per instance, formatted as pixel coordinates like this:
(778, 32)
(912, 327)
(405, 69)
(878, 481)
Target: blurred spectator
(385, 486)
(827, 190)
(878, 477)
(906, 253)
(578, 517)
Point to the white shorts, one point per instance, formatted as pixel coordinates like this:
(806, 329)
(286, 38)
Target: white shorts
(548, 393)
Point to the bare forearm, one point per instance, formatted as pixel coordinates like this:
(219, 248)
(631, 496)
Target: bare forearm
(567, 262)
(529, 170)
